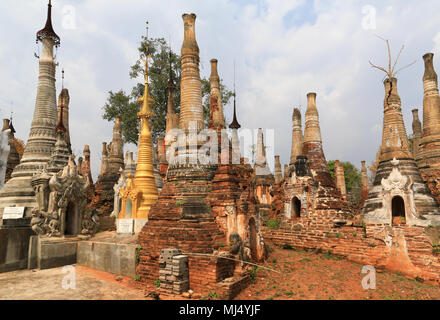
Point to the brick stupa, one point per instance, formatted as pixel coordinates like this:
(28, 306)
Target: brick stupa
(310, 193)
(181, 217)
(112, 161)
(193, 212)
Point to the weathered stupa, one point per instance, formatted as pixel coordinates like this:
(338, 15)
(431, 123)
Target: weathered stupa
(264, 178)
(297, 137)
(429, 151)
(14, 156)
(60, 154)
(312, 148)
(18, 191)
(191, 111)
(181, 217)
(217, 119)
(112, 161)
(172, 119)
(417, 133)
(84, 168)
(340, 179)
(190, 216)
(365, 185)
(398, 194)
(311, 198)
(286, 171)
(278, 170)
(63, 107)
(116, 148)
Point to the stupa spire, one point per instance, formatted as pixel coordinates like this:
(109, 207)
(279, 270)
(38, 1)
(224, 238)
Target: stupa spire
(429, 153)
(312, 130)
(395, 142)
(47, 31)
(278, 170)
(172, 119)
(297, 136)
(144, 181)
(236, 157)
(191, 109)
(417, 132)
(234, 124)
(340, 179)
(312, 146)
(217, 119)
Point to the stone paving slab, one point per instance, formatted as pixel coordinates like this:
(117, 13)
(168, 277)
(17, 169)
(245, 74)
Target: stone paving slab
(47, 285)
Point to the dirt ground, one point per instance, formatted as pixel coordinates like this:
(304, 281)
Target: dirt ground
(313, 276)
(48, 285)
(301, 276)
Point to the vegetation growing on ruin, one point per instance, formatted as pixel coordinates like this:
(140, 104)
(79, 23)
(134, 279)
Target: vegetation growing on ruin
(273, 224)
(353, 180)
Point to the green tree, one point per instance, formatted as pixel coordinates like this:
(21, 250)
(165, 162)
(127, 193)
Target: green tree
(353, 179)
(162, 59)
(120, 104)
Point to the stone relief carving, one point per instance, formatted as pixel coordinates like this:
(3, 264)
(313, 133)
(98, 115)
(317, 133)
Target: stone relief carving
(238, 248)
(62, 203)
(395, 185)
(395, 181)
(120, 185)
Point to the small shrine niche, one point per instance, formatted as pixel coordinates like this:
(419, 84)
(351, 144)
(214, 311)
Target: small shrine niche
(62, 204)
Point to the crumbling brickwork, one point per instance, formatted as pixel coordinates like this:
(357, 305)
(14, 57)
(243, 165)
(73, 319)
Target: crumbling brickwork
(405, 249)
(201, 205)
(173, 273)
(112, 161)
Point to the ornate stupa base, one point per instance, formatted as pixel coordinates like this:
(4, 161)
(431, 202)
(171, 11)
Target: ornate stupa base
(400, 196)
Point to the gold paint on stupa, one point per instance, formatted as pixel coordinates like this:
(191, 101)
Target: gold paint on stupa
(141, 191)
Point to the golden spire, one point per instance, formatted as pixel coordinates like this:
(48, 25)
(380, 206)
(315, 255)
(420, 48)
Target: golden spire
(143, 189)
(146, 110)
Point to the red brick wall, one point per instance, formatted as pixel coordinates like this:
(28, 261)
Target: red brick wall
(367, 246)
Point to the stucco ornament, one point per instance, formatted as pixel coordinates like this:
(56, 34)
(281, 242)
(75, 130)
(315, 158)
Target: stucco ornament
(62, 203)
(120, 185)
(4, 153)
(395, 181)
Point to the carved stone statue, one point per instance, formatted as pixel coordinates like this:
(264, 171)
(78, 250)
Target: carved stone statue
(62, 203)
(122, 183)
(237, 248)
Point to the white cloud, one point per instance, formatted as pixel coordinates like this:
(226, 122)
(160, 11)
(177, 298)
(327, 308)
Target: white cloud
(277, 63)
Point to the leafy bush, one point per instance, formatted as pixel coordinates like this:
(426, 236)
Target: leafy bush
(273, 224)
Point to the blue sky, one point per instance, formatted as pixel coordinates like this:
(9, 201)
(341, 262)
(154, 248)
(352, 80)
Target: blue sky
(283, 50)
